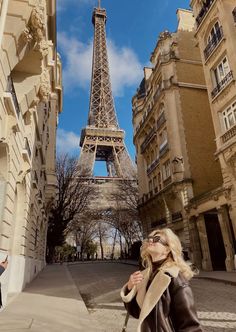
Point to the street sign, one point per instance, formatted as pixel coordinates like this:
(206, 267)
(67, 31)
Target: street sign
(78, 248)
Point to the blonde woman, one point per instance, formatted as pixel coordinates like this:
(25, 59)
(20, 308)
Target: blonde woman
(160, 296)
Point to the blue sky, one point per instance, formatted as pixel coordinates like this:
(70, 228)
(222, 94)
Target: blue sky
(132, 29)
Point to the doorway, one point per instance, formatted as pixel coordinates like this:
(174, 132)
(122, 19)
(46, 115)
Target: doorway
(215, 241)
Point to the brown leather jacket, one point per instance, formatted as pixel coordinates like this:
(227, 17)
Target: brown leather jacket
(173, 312)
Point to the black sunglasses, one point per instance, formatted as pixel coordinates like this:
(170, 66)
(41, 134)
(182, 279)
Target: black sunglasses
(157, 238)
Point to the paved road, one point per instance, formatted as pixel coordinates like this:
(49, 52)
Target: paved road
(100, 283)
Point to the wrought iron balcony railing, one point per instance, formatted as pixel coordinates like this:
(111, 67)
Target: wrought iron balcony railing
(215, 40)
(229, 134)
(228, 78)
(203, 11)
(11, 89)
(148, 139)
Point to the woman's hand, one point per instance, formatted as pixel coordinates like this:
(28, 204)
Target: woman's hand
(134, 279)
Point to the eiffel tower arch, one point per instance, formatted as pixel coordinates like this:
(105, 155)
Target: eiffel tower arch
(102, 139)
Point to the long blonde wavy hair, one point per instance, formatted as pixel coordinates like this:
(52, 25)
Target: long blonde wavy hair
(175, 256)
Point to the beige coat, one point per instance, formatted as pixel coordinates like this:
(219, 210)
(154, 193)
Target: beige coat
(148, 300)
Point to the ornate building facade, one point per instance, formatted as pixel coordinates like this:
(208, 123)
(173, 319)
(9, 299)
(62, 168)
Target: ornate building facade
(174, 136)
(30, 100)
(215, 214)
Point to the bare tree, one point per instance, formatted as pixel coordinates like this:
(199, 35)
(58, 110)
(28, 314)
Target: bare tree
(88, 227)
(125, 216)
(83, 227)
(73, 196)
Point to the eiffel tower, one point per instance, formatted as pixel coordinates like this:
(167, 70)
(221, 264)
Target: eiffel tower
(102, 139)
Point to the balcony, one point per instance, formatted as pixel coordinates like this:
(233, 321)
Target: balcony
(220, 86)
(204, 11)
(218, 36)
(229, 134)
(153, 165)
(148, 139)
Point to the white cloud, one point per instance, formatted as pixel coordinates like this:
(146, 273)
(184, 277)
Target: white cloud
(67, 141)
(125, 68)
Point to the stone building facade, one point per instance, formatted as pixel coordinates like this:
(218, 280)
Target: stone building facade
(30, 101)
(215, 214)
(174, 136)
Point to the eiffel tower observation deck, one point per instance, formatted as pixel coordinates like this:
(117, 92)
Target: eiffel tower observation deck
(102, 139)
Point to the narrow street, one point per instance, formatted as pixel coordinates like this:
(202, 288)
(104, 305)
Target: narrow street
(100, 283)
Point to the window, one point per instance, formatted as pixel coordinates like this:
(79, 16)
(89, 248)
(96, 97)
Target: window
(214, 38)
(221, 76)
(163, 138)
(214, 31)
(166, 170)
(221, 71)
(229, 116)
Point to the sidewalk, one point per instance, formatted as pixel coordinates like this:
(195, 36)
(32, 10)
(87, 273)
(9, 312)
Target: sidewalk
(51, 303)
(218, 276)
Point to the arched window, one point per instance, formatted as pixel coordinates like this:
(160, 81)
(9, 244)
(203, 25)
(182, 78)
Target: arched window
(214, 31)
(213, 38)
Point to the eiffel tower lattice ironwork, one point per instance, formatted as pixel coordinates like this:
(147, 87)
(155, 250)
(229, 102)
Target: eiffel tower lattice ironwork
(102, 139)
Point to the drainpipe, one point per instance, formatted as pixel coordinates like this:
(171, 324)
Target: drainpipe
(3, 16)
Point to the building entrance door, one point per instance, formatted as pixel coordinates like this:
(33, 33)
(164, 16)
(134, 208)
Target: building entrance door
(215, 241)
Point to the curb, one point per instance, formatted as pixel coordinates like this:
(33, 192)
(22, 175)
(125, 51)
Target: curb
(228, 282)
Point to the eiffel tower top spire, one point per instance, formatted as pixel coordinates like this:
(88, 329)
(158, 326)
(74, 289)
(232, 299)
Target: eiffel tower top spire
(102, 110)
